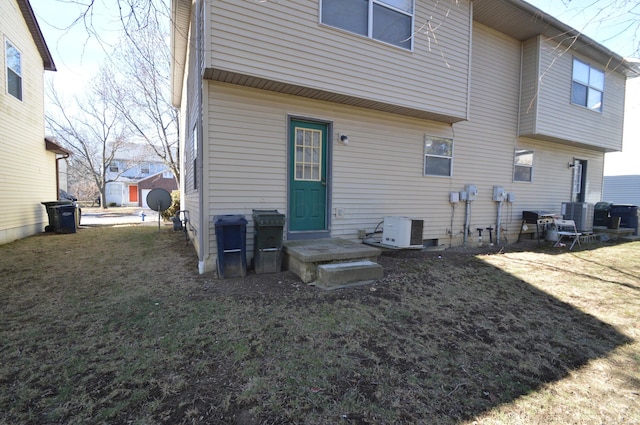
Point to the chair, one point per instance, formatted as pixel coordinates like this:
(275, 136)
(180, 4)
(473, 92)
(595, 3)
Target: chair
(567, 229)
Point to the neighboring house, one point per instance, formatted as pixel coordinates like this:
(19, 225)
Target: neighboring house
(334, 114)
(623, 190)
(163, 180)
(132, 174)
(28, 163)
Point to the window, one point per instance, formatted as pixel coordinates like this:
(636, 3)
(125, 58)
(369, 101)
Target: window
(523, 166)
(438, 156)
(587, 87)
(113, 167)
(144, 169)
(390, 21)
(14, 70)
(308, 160)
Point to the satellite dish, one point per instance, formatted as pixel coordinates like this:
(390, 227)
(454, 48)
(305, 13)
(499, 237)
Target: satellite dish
(158, 200)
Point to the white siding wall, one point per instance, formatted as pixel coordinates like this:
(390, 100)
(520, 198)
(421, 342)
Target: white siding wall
(549, 91)
(27, 170)
(284, 41)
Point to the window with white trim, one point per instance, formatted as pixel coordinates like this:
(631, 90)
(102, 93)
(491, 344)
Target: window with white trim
(438, 156)
(523, 166)
(13, 61)
(390, 21)
(145, 169)
(587, 88)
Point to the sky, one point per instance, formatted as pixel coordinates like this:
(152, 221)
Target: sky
(78, 55)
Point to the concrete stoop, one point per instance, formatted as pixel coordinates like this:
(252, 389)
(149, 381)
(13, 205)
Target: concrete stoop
(343, 275)
(340, 261)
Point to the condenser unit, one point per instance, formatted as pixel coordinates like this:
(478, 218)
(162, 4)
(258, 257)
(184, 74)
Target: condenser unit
(402, 232)
(581, 213)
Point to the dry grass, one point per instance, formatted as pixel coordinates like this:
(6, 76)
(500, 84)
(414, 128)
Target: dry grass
(113, 325)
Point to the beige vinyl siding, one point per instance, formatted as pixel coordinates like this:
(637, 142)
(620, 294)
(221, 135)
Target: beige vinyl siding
(529, 86)
(284, 42)
(27, 170)
(555, 117)
(191, 110)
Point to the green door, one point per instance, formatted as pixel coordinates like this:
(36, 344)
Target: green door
(307, 176)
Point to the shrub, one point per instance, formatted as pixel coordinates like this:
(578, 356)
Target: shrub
(174, 208)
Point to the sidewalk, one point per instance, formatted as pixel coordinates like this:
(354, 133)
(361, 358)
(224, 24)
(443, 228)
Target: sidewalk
(115, 216)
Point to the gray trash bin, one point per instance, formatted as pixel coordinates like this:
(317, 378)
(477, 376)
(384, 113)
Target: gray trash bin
(267, 241)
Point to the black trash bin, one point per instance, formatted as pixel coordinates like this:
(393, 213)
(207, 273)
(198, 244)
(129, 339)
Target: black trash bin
(601, 212)
(52, 214)
(267, 241)
(66, 218)
(628, 216)
(231, 238)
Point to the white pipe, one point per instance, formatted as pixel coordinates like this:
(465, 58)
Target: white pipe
(498, 222)
(467, 215)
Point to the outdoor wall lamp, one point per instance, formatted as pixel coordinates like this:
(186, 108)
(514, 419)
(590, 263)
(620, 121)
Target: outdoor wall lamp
(344, 139)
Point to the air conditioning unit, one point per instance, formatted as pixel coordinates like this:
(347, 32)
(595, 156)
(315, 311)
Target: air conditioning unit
(581, 213)
(402, 232)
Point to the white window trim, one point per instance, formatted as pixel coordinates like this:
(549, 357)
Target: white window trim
(6, 67)
(523, 166)
(425, 155)
(588, 85)
(370, 23)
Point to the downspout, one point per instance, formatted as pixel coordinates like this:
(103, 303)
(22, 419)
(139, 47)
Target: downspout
(200, 172)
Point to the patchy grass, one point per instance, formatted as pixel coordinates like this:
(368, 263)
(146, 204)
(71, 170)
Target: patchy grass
(113, 325)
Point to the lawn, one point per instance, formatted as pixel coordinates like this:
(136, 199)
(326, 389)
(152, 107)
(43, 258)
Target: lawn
(114, 325)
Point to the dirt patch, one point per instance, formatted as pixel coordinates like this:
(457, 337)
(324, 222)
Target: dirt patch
(113, 325)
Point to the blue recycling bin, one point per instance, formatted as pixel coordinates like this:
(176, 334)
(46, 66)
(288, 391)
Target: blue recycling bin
(66, 218)
(231, 238)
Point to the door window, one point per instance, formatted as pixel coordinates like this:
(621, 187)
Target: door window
(308, 160)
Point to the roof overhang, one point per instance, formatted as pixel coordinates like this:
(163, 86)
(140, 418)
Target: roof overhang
(38, 38)
(52, 146)
(522, 21)
(180, 16)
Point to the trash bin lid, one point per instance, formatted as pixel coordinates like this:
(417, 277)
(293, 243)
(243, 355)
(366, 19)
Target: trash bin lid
(603, 205)
(268, 218)
(229, 220)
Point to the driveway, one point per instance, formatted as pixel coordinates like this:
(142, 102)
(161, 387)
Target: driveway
(118, 216)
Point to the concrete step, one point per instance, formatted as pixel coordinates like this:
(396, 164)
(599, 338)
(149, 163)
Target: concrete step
(342, 275)
(303, 257)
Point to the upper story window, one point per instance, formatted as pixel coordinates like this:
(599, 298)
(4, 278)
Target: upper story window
(114, 167)
(144, 169)
(588, 86)
(14, 70)
(438, 156)
(390, 21)
(523, 166)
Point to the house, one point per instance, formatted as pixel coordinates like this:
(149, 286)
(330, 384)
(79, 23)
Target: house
(623, 190)
(461, 113)
(131, 175)
(28, 162)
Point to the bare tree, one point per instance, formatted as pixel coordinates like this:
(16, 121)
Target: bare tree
(91, 129)
(138, 69)
(141, 91)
